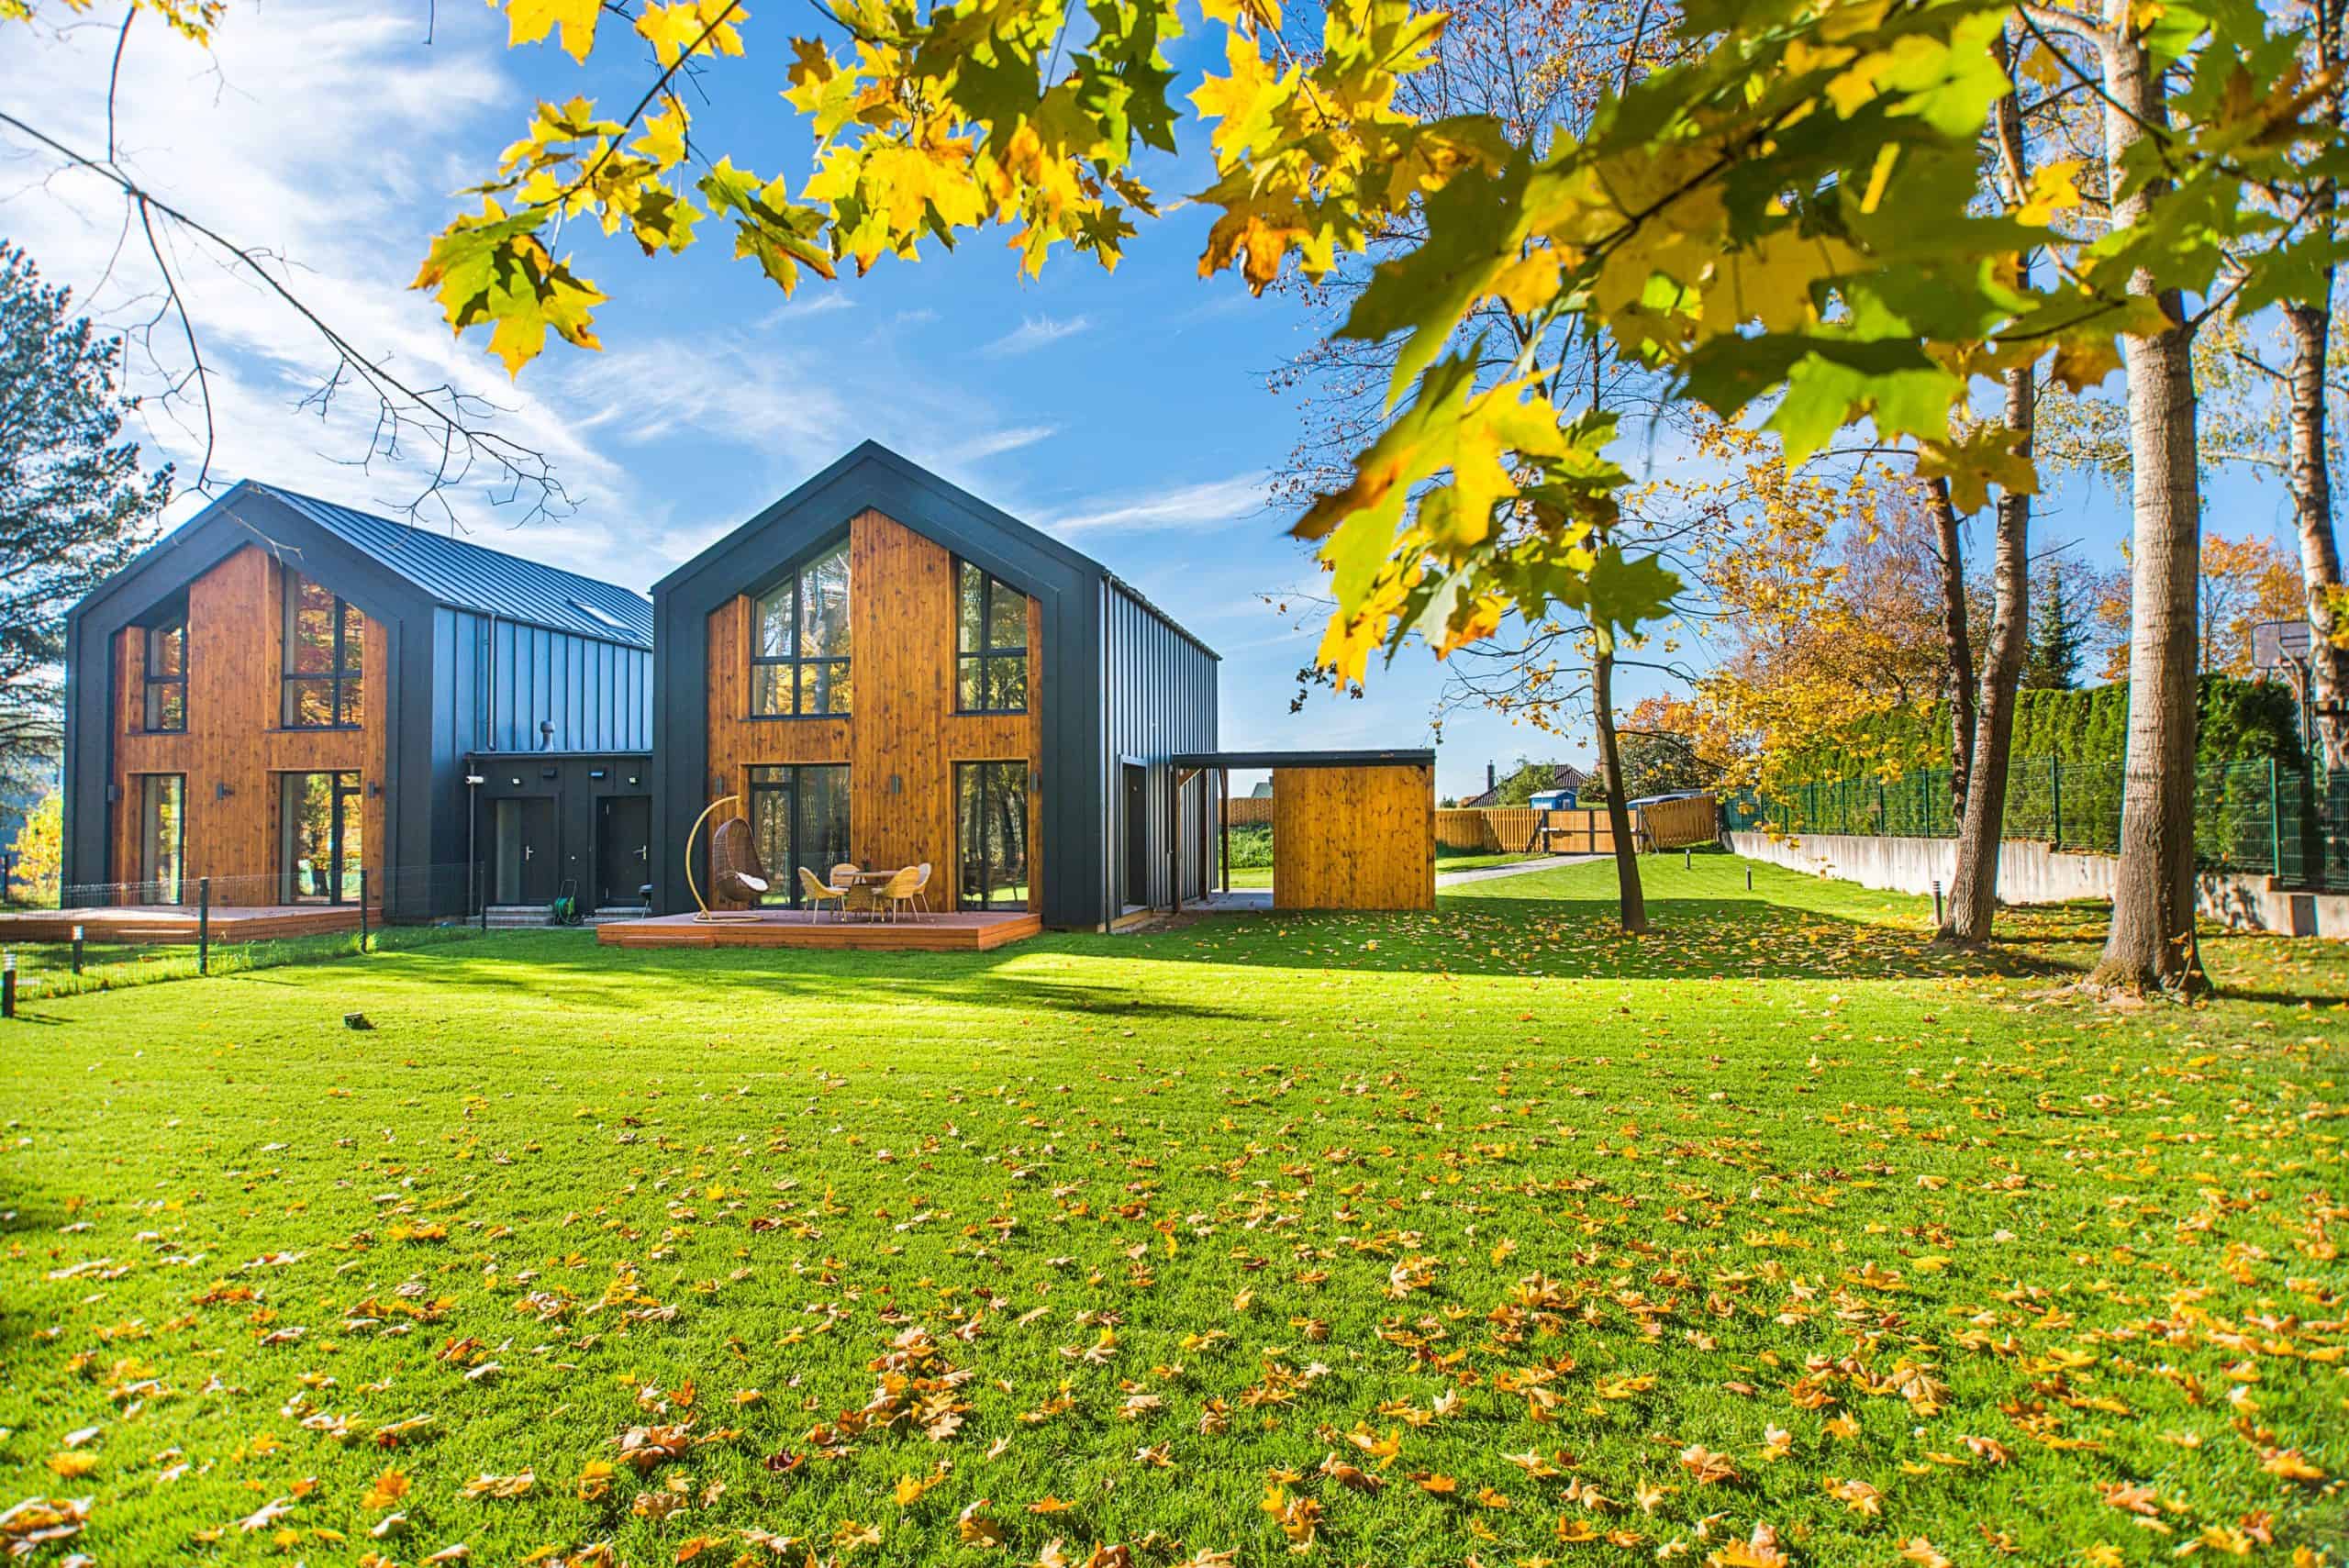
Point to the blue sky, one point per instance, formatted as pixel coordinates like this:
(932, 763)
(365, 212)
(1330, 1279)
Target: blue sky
(1127, 413)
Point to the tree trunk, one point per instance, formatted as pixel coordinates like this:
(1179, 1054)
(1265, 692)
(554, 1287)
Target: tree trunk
(1619, 815)
(2151, 946)
(1959, 640)
(2311, 483)
(1974, 889)
(1974, 884)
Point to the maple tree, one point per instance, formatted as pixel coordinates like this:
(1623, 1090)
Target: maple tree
(1779, 222)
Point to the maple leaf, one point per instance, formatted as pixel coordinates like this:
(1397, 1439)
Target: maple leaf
(1707, 1467)
(528, 21)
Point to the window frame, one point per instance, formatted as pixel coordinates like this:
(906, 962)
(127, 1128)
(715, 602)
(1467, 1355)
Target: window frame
(346, 681)
(988, 653)
(153, 688)
(149, 810)
(346, 809)
(839, 684)
(982, 771)
(788, 781)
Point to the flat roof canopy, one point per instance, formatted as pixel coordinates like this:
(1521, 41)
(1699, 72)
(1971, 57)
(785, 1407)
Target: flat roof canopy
(1423, 758)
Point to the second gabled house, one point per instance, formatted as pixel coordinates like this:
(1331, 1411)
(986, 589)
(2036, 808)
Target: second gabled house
(283, 693)
(881, 667)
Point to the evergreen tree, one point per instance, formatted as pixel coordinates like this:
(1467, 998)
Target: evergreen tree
(74, 506)
(2052, 661)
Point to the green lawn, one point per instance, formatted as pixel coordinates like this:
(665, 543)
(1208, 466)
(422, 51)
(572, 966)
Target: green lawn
(1482, 1235)
(1261, 876)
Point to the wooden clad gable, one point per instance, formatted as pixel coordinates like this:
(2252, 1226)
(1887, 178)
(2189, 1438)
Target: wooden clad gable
(902, 737)
(235, 659)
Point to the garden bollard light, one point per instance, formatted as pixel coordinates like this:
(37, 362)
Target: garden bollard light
(8, 985)
(77, 950)
(1937, 902)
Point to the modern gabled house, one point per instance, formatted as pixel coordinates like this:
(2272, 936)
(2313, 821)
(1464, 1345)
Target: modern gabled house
(881, 668)
(283, 693)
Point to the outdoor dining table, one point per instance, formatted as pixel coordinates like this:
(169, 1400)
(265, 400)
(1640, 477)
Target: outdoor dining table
(872, 879)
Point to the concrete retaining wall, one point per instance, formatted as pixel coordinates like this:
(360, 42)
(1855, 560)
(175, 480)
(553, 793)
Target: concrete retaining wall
(2034, 873)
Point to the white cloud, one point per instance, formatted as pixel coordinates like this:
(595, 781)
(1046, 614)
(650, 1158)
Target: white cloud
(257, 140)
(804, 305)
(1202, 505)
(1037, 332)
(997, 442)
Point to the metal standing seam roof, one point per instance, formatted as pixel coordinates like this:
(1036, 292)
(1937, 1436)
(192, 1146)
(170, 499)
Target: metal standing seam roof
(472, 577)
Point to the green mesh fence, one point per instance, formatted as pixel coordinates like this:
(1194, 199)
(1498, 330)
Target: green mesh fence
(2253, 816)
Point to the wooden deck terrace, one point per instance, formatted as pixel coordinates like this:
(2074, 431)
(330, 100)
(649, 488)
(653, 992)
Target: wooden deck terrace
(958, 931)
(143, 923)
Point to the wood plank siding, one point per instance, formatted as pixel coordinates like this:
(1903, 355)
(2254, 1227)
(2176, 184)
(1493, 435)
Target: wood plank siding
(235, 655)
(1354, 838)
(902, 736)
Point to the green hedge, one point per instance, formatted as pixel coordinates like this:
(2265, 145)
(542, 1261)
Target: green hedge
(2241, 721)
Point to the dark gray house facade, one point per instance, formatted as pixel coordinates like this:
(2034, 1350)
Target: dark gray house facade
(882, 667)
(284, 691)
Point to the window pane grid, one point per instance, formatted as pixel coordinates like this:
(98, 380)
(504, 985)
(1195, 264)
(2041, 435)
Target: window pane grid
(799, 818)
(991, 643)
(800, 654)
(165, 677)
(326, 640)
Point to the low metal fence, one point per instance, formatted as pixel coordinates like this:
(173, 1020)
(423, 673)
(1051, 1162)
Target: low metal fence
(105, 936)
(2256, 816)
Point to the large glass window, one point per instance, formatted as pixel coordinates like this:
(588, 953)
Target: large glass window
(991, 817)
(163, 836)
(799, 655)
(990, 644)
(798, 817)
(164, 676)
(325, 650)
(320, 847)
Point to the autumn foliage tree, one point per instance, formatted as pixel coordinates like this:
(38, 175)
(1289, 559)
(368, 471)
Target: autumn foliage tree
(1780, 223)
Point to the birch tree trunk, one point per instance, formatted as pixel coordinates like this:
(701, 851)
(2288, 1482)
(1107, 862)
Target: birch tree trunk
(1973, 885)
(1959, 640)
(1974, 889)
(2311, 326)
(2150, 945)
(1630, 895)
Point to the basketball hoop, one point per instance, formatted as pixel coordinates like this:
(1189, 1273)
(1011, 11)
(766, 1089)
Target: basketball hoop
(2281, 645)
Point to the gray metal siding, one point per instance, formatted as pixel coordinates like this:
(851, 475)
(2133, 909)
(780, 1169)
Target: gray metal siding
(1158, 697)
(509, 678)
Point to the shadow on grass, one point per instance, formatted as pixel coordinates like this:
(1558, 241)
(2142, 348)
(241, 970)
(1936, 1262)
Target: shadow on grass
(1559, 924)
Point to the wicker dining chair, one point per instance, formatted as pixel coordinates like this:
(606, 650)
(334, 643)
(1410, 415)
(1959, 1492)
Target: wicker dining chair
(921, 888)
(737, 879)
(861, 898)
(900, 889)
(844, 873)
(813, 889)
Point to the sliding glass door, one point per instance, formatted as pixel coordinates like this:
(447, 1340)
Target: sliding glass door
(320, 838)
(798, 817)
(991, 826)
(162, 837)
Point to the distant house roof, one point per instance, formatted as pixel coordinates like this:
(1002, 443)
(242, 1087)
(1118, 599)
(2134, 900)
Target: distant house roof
(472, 577)
(1563, 776)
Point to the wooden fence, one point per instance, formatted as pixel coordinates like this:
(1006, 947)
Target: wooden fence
(1675, 824)
(1510, 829)
(1485, 830)
(1247, 810)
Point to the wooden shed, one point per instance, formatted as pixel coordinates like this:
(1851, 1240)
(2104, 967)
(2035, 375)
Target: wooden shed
(1351, 829)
